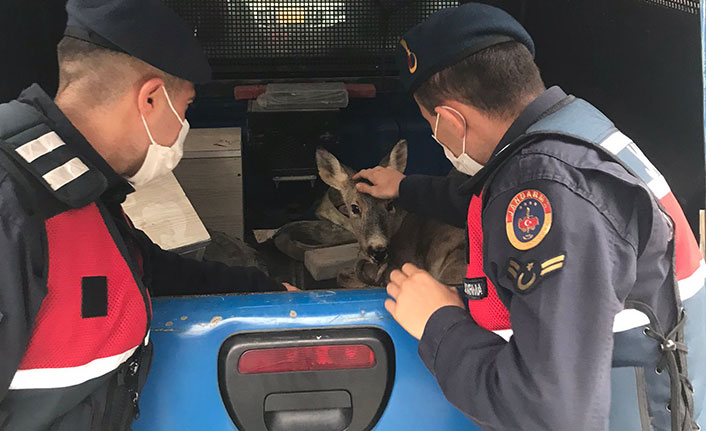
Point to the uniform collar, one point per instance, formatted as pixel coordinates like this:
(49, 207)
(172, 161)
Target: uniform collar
(531, 114)
(40, 100)
(540, 107)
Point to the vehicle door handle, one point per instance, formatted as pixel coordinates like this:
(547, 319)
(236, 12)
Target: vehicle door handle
(308, 411)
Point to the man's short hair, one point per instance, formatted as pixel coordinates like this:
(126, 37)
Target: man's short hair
(102, 73)
(499, 81)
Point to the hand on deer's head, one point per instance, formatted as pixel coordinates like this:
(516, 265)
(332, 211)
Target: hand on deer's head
(373, 221)
(383, 182)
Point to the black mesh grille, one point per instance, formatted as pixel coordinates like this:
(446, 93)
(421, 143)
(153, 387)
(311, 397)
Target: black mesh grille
(303, 35)
(690, 6)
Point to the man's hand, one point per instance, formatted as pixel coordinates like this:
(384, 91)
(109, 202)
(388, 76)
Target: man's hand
(290, 288)
(386, 182)
(416, 295)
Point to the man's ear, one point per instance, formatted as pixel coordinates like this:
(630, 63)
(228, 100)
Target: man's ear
(147, 95)
(453, 119)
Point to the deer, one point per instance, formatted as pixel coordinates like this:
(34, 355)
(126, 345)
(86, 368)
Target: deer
(387, 235)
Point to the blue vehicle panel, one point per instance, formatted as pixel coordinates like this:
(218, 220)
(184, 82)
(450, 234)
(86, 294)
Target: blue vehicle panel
(182, 391)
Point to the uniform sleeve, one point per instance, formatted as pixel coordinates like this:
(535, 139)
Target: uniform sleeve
(438, 198)
(172, 274)
(554, 373)
(21, 284)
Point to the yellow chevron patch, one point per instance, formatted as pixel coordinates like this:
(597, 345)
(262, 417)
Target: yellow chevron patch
(527, 275)
(552, 264)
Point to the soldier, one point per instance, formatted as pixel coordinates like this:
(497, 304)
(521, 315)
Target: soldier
(585, 285)
(74, 273)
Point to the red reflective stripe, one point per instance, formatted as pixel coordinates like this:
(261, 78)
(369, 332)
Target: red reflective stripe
(308, 358)
(687, 249)
(249, 92)
(489, 313)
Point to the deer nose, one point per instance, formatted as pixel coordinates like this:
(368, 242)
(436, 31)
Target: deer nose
(379, 254)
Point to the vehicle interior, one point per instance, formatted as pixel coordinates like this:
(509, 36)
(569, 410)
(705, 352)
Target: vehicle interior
(639, 61)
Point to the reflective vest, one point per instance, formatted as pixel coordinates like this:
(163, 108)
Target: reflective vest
(94, 315)
(96, 312)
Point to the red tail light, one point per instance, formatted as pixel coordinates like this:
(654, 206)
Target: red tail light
(309, 358)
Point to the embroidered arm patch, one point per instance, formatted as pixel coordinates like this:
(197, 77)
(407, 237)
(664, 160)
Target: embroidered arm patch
(527, 275)
(528, 219)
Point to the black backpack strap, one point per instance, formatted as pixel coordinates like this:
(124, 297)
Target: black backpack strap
(26, 191)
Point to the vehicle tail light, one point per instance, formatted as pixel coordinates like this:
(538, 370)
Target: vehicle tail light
(307, 358)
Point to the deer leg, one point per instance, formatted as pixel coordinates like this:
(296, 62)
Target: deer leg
(452, 270)
(347, 279)
(369, 273)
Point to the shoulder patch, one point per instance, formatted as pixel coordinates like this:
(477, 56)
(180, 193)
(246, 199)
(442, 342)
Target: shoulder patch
(527, 275)
(528, 219)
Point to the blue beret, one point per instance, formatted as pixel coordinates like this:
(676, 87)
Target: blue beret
(145, 29)
(452, 34)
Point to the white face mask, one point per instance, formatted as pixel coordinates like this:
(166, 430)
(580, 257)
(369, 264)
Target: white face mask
(463, 163)
(160, 159)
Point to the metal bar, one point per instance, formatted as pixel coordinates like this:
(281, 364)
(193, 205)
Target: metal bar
(294, 178)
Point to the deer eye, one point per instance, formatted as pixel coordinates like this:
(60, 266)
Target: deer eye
(390, 207)
(355, 209)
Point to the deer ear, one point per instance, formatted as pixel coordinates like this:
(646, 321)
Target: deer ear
(397, 158)
(330, 169)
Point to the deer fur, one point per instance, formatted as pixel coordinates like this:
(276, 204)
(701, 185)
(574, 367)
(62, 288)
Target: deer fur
(388, 236)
